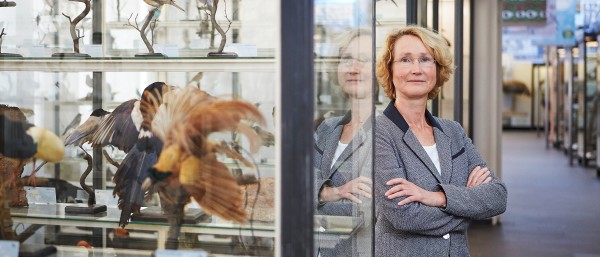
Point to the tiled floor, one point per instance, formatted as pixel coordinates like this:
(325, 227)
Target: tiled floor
(553, 208)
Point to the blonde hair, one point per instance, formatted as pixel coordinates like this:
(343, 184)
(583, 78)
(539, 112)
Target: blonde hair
(434, 42)
(343, 40)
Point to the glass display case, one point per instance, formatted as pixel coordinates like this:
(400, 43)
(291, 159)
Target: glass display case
(59, 91)
(586, 98)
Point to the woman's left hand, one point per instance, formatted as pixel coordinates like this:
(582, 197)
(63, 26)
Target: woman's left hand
(414, 193)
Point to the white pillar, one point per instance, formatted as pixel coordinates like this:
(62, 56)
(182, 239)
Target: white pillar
(487, 79)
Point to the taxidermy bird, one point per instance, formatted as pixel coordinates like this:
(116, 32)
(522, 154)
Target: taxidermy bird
(83, 133)
(187, 165)
(78, 137)
(13, 167)
(21, 142)
(159, 3)
(268, 139)
(120, 129)
(152, 98)
(73, 124)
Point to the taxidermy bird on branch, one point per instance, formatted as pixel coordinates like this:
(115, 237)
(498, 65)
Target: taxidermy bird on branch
(187, 165)
(159, 3)
(79, 136)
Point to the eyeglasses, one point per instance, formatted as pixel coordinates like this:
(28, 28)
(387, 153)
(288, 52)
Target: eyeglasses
(349, 60)
(424, 62)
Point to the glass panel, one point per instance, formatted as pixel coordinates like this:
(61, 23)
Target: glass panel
(591, 98)
(346, 97)
(225, 161)
(446, 28)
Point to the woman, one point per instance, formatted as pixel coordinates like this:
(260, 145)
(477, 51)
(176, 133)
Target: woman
(343, 152)
(430, 181)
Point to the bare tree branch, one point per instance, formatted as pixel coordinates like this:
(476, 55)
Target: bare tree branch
(136, 27)
(143, 29)
(213, 11)
(74, 33)
(1, 39)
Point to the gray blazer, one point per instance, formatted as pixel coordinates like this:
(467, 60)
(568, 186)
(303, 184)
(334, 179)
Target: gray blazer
(416, 229)
(355, 161)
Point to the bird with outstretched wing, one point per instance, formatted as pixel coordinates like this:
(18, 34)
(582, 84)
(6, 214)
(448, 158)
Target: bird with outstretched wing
(124, 128)
(187, 165)
(120, 129)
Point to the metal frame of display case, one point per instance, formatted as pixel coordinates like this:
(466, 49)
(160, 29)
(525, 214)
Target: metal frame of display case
(297, 105)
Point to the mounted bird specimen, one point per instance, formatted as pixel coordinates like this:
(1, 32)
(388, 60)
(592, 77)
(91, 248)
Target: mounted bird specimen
(83, 133)
(159, 3)
(73, 124)
(79, 136)
(21, 142)
(188, 165)
(121, 129)
(13, 167)
(151, 18)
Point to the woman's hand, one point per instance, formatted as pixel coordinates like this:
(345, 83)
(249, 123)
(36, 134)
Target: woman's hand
(478, 177)
(414, 193)
(358, 186)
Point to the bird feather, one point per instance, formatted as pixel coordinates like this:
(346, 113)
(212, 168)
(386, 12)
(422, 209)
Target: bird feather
(128, 182)
(118, 128)
(210, 181)
(184, 122)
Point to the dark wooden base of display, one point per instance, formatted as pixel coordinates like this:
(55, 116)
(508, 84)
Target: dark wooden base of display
(7, 4)
(9, 55)
(70, 55)
(155, 214)
(36, 250)
(150, 55)
(223, 54)
(85, 209)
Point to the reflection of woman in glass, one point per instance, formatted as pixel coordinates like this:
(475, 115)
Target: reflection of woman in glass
(430, 180)
(343, 150)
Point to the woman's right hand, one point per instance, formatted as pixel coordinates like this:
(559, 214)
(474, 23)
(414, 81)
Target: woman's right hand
(478, 177)
(358, 186)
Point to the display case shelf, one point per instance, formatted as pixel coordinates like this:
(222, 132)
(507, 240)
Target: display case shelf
(332, 228)
(204, 64)
(117, 64)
